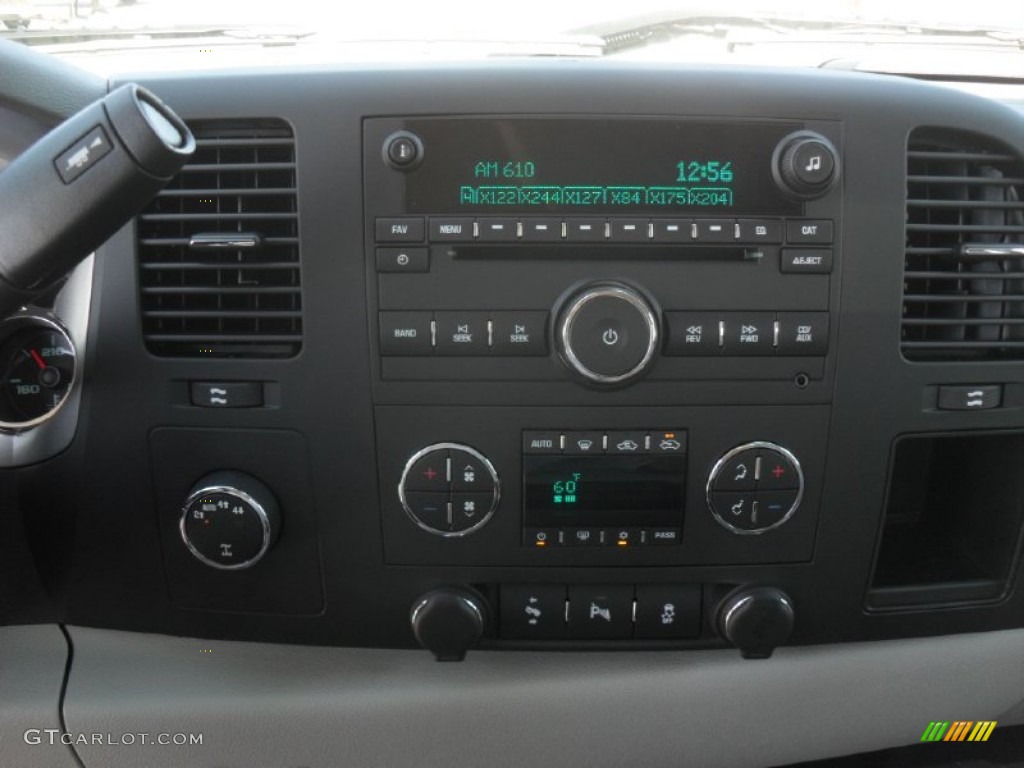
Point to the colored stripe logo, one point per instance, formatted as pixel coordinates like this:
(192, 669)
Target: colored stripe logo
(959, 730)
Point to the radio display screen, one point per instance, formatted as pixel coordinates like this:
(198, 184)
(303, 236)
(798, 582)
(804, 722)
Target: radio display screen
(594, 491)
(608, 166)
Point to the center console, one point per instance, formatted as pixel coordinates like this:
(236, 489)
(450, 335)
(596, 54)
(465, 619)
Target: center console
(611, 273)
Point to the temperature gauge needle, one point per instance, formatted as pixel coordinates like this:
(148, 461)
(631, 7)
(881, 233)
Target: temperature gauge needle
(39, 360)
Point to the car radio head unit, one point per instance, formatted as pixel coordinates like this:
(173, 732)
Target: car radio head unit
(609, 166)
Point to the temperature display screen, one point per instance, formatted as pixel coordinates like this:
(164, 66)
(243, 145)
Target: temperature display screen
(596, 491)
(585, 166)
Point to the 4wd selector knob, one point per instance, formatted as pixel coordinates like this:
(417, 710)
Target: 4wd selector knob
(607, 333)
(806, 165)
(229, 521)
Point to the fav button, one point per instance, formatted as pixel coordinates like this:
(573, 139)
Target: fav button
(399, 230)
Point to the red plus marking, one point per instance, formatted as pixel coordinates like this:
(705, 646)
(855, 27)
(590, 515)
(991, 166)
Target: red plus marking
(430, 474)
(778, 471)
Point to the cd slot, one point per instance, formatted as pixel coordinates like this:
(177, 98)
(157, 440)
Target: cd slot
(604, 252)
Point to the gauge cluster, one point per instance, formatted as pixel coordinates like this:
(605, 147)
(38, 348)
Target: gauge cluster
(37, 370)
(41, 351)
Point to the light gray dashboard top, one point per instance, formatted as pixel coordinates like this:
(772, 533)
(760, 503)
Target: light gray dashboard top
(266, 705)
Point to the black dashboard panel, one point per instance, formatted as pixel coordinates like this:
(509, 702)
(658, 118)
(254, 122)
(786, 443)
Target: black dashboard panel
(340, 421)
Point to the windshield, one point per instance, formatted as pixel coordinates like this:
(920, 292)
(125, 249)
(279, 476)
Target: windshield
(912, 36)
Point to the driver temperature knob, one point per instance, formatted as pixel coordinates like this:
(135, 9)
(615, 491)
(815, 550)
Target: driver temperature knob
(756, 620)
(448, 622)
(607, 334)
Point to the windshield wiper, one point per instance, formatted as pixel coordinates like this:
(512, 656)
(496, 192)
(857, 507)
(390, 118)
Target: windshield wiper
(637, 33)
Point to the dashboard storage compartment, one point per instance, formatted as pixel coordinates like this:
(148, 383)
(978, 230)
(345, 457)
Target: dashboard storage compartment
(952, 523)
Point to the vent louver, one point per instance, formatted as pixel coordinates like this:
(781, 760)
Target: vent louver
(963, 288)
(219, 248)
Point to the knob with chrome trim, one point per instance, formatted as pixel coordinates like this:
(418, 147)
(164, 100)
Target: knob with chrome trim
(448, 622)
(449, 489)
(608, 334)
(230, 521)
(805, 165)
(756, 620)
(755, 487)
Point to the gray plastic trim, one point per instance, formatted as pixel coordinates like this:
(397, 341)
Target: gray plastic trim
(32, 661)
(264, 705)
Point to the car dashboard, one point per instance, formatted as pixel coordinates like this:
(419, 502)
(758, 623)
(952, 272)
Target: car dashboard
(710, 380)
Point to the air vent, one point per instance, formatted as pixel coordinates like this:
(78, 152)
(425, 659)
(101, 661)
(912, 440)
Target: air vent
(219, 248)
(963, 289)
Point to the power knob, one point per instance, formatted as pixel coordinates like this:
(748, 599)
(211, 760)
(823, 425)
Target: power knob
(756, 620)
(607, 334)
(805, 165)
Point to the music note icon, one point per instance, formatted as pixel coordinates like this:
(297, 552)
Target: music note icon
(814, 164)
